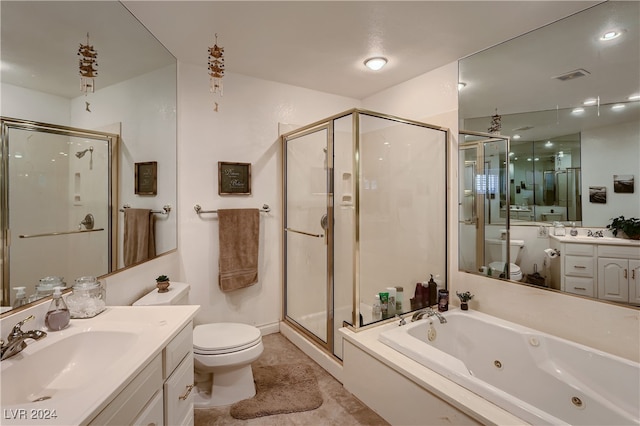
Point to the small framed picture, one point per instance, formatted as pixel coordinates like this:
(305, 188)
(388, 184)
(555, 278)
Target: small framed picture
(598, 194)
(146, 178)
(234, 178)
(623, 184)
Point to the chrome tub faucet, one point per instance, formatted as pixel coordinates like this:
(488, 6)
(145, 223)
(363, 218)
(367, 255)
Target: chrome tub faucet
(16, 340)
(426, 313)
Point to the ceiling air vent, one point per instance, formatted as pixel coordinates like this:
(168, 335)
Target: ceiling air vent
(523, 128)
(571, 75)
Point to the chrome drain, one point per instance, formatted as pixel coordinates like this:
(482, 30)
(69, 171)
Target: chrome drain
(42, 398)
(576, 401)
(497, 363)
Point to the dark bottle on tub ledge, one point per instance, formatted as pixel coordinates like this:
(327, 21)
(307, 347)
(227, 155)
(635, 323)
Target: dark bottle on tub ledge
(443, 300)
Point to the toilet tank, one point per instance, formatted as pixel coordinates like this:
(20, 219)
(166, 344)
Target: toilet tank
(496, 249)
(178, 294)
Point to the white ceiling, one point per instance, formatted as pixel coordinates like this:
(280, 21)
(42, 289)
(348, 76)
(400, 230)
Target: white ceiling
(319, 45)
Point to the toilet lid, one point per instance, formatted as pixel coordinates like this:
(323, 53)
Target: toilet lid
(499, 266)
(226, 337)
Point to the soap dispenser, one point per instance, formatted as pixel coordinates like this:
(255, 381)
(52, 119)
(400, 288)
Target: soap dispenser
(58, 315)
(574, 231)
(21, 297)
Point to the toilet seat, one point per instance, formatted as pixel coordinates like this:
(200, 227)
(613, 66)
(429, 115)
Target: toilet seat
(224, 338)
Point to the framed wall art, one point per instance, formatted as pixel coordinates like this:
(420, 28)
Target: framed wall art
(234, 178)
(146, 178)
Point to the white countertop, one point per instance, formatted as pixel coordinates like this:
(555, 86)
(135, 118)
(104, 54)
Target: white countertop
(155, 325)
(581, 239)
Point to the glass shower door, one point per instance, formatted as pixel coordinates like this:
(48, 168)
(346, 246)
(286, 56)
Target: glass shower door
(307, 240)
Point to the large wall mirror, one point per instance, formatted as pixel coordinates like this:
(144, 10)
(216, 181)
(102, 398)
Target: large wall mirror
(114, 147)
(567, 97)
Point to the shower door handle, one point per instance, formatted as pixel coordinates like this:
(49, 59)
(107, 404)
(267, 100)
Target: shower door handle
(304, 233)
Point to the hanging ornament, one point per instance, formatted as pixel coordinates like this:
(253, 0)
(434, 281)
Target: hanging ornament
(88, 66)
(216, 69)
(496, 124)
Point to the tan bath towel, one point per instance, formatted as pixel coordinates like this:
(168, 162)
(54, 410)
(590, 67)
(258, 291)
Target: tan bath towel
(139, 235)
(239, 235)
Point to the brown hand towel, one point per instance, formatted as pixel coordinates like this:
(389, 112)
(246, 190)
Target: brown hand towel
(239, 235)
(139, 236)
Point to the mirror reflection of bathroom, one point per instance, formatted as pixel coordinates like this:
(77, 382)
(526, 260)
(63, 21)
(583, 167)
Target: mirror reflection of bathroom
(59, 185)
(483, 221)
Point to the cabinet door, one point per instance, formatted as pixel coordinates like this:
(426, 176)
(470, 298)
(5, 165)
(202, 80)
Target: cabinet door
(613, 281)
(634, 282)
(177, 393)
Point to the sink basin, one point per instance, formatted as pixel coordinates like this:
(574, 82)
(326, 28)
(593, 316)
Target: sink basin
(63, 366)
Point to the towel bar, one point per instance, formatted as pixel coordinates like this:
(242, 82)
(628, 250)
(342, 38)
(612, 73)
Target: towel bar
(265, 209)
(165, 209)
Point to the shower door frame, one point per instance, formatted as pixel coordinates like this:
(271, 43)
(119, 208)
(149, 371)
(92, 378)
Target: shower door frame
(327, 125)
(112, 141)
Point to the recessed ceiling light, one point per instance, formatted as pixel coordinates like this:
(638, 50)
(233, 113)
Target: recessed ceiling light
(375, 64)
(590, 101)
(461, 85)
(618, 106)
(516, 136)
(549, 143)
(610, 35)
(577, 110)
(635, 97)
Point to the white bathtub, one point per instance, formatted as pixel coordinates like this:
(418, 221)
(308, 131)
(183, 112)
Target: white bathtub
(538, 377)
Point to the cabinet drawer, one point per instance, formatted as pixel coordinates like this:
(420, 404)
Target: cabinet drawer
(578, 249)
(577, 285)
(179, 393)
(177, 348)
(578, 266)
(625, 252)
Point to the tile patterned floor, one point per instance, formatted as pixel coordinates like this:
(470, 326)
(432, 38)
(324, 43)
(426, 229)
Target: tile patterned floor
(339, 408)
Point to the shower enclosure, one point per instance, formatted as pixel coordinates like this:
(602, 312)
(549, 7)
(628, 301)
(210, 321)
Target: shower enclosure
(58, 198)
(365, 211)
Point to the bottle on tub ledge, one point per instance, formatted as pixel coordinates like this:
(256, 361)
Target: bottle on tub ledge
(443, 300)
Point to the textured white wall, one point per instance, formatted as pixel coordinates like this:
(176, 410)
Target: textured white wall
(245, 129)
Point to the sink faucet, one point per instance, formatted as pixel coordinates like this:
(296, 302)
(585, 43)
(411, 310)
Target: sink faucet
(597, 234)
(16, 339)
(429, 312)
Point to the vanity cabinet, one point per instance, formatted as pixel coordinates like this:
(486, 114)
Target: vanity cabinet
(578, 266)
(600, 269)
(161, 393)
(618, 269)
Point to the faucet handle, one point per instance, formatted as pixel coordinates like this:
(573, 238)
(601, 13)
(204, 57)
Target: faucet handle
(17, 328)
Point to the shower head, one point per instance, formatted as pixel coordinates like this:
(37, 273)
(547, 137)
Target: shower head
(81, 154)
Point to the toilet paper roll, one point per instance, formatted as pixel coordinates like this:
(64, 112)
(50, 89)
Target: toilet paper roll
(551, 253)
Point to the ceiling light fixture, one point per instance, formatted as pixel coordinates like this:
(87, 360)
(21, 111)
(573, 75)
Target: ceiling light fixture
(618, 106)
(590, 101)
(635, 97)
(610, 35)
(577, 110)
(375, 64)
(516, 136)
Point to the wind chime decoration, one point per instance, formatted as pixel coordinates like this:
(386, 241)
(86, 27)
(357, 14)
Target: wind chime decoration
(496, 124)
(88, 67)
(216, 69)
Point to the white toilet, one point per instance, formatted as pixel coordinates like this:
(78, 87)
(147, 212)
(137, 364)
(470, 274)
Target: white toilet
(496, 250)
(222, 353)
